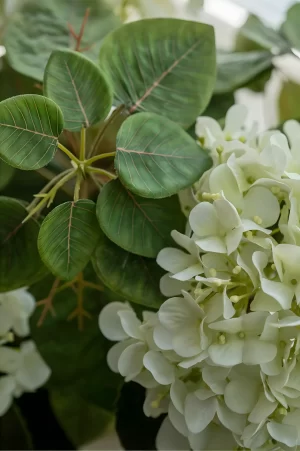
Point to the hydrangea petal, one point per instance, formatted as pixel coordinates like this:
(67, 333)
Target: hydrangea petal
(241, 395)
(198, 414)
(110, 322)
(162, 370)
(130, 362)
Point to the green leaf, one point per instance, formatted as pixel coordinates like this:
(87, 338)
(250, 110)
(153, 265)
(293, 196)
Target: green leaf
(29, 129)
(289, 101)
(156, 158)
(165, 66)
(77, 358)
(237, 69)
(291, 26)
(6, 174)
(266, 37)
(128, 275)
(13, 431)
(82, 421)
(68, 237)
(78, 86)
(136, 224)
(39, 27)
(20, 263)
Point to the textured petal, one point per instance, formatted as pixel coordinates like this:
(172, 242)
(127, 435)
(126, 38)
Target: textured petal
(145, 379)
(162, 338)
(282, 293)
(227, 214)
(172, 287)
(232, 421)
(176, 313)
(178, 393)
(185, 241)
(162, 370)
(212, 244)
(233, 239)
(222, 179)
(110, 322)
(10, 359)
(235, 118)
(130, 323)
(130, 362)
(186, 342)
(169, 439)
(215, 377)
(262, 409)
(232, 326)
(241, 395)
(155, 403)
(204, 220)
(34, 372)
(188, 363)
(189, 272)
(228, 354)
(258, 351)
(178, 421)
(174, 260)
(214, 437)
(198, 414)
(260, 202)
(115, 352)
(283, 433)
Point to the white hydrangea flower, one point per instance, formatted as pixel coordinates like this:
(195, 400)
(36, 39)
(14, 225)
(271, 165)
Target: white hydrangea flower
(23, 369)
(221, 357)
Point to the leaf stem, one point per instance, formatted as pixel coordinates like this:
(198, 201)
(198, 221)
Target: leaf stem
(82, 143)
(67, 152)
(77, 186)
(102, 172)
(99, 157)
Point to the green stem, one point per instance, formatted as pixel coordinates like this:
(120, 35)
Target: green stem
(49, 196)
(67, 152)
(102, 172)
(77, 186)
(99, 157)
(82, 143)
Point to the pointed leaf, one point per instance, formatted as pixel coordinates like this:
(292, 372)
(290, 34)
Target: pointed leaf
(267, 37)
(131, 276)
(139, 225)
(237, 69)
(165, 66)
(79, 87)
(20, 263)
(291, 26)
(39, 27)
(156, 158)
(68, 237)
(29, 129)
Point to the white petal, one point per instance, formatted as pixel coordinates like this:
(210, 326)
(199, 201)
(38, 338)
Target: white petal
(235, 118)
(262, 409)
(222, 179)
(241, 395)
(130, 323)
(228, 354)
(232, 326)
(283, 433)
(172, 287)
(178, 421)
(186, 342)
(233, 239)
(185, 241)
(178, 393)
(288, 321)
(34, 372)
(232, 421)
(145, 379)
(174, 260)
(188, 363)
(162, 370)
(7, 387)
(169, 439)
(150, 407)
(189, 272)
(10, 359)
(227, 214)
(259, 201)
(198, 414)
(115, 352)
(258, 351)
(110, 323)
(130, 362)
(282, 293)
(176, 313)
(262, 302)
(214, 377)
(162, 338)
(204, 220)
(228, 309)
(214, 437)
(212, 244)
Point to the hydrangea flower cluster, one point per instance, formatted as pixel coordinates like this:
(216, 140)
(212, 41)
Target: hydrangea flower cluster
(222, 355)
(22, 368)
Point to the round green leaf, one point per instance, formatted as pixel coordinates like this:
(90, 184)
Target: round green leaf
(156, 158)
(264, 36)
(79, 87)
(237, 69)
(29, 129)
(165, 66)
(139, 225)
(68, 237)
(20, 263)
(39, 27)
(131, 276)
